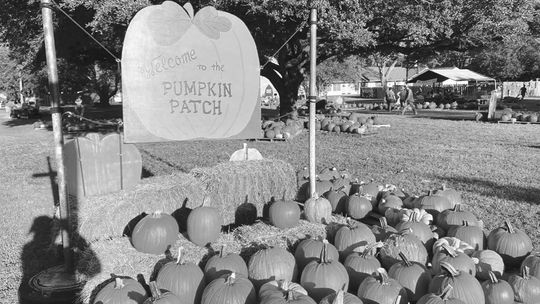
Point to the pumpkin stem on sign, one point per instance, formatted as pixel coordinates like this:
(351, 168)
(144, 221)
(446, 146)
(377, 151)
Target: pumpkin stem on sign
(118, 283)
(445, 295)
(154, 289)
(509, 226)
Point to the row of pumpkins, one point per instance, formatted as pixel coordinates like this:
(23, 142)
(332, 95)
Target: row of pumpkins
(507, 116)
(425, 250)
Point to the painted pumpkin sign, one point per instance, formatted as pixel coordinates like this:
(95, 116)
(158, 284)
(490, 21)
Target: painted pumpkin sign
(189, 76)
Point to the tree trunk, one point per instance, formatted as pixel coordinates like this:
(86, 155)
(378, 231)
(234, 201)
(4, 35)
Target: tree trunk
(286, 83)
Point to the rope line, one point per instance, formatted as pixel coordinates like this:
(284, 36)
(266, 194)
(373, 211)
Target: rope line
(71, 114)
(85, 31)
(298, 29)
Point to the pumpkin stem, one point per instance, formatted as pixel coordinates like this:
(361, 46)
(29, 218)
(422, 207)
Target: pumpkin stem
(157, 214)
(384, 276)
(450, 250)
(405, 259)
(509, 226)
(368, 250)
(525, 272)
(445, 295)
(221, 251)
(450, 269)
(493, 277)
(180, 258)
(154, 289)
(457, 208)
(323, 257)
(118, 283)
(443, 186)
(465, 223)
(339, 297)
(231, 279)
(383, 222)
(290, 296)
(205, 201)
(430, 192)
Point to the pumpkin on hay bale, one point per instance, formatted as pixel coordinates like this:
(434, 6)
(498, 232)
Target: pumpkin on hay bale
(239, 190)
(117, 256)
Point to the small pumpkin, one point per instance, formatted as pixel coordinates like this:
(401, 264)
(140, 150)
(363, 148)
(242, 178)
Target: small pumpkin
(434, 204)
(451, 194)
(404, 242)
(381, 289)
(533, 262)
(417, 228)
(526, 287)
(383, 231)
(184, 279)
(310, 250)
(488, 261)
(455, 216)
(512, 244)
(341, 297)
(221, 264)
(337, 198)
(361, 265)
(229, 289)
(354, 236)
(413, 276)
(274, 263)
(418, 215)
(393, 216)
(443, 298)
(155, 233)
(389, 200)
(159, 297)
(358, 206)
(318, 209)
(497, 291)
(466, 287)
(324, 276)
(472, 235)
(284, 214)
(122, 290)
(204, 224)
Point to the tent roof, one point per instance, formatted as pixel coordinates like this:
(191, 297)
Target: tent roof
(442, 74)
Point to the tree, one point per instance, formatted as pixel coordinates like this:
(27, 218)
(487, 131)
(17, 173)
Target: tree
(348, 70)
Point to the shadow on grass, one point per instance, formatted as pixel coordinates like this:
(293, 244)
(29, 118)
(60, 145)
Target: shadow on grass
(490, 188)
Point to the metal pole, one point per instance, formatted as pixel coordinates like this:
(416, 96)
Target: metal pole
(56, 114)
(312, 99)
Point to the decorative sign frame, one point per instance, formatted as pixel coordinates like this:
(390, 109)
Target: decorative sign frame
(189, 76)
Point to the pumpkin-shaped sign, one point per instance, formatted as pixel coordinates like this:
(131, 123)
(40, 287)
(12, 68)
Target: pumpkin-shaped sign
(189, 76)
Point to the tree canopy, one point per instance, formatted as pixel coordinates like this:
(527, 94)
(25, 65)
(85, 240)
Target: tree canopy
(418, 30)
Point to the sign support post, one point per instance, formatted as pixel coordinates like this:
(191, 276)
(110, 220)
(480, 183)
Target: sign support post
(312, 98)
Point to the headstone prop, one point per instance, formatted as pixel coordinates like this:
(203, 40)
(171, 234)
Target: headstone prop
(189, 76)
(96, 165)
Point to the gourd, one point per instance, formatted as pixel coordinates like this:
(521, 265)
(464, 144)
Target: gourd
(228, 290)
(155, 233)
(454, 243)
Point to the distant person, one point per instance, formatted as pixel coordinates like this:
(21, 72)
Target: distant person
(390, 98)
(522, 92)
(407, 100)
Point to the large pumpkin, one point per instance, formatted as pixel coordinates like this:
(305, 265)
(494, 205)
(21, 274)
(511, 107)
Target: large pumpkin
(310, 250)
(159, 297)
(229, 290)
(358, 206)
(497, 291)
(451, 194)
(324, 276)
(512, 244)
(221, 264)
(381, 289)
(488, 261)
(526, 287)
(533, 262)
(353, 237)
(184, 279)
(121, 290)
(413, 222)
(458, 260)
(361, 265)
(204, 224)
(283, 292)
(408, 244)
(284, 214)
(466, 287)
(456, 216)
(269, 264)
(155, 233)
(318, 210)
(443, 298)
(434, 204)
(413, 276)
(472, 235)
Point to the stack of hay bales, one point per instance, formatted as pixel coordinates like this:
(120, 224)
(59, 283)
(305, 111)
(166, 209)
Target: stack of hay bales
(240, 190)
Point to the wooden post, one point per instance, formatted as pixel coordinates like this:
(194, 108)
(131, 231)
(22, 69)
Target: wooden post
(312, 99)
(56, 114)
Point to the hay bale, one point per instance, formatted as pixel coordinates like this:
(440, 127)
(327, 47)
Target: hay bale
(106, 216)
(240, 190)
(116, 256)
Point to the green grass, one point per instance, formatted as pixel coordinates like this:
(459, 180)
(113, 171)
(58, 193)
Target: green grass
(495, 166)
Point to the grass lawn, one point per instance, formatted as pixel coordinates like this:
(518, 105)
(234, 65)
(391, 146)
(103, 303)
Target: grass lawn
(495, 166)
